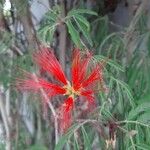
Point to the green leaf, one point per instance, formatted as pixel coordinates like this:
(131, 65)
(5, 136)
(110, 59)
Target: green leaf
(144, 98)
(87, 144)
(51, 16)
(83, 27)
(143, 146)
(109, 61)
(148, 44)
(81, 11)
(83, 20)
(144, 118)
(38, 147)
(50, 34)
(46, 33)
(5, 41)
(138, 110)
(76, 143)
(74, 33)
(120, 104)
(65, 137)
(127, 89)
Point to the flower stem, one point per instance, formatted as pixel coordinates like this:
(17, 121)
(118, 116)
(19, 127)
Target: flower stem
(52, 110)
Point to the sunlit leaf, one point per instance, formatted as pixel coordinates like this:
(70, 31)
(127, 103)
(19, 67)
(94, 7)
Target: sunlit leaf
(83, 27)
(81, 11)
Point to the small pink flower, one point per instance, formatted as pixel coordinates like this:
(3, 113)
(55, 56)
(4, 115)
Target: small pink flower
(83, 82)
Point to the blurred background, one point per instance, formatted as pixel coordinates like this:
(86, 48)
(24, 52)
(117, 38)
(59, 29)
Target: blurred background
(117, 32)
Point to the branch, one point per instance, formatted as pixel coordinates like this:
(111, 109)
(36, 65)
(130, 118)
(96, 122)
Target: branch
(5, 121)
(24, 15)
(62, 37)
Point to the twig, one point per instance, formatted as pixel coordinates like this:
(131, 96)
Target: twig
(133, 122)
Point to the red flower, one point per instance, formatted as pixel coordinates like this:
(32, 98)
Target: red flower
(83, 84)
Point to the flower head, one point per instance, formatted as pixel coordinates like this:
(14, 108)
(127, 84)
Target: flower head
(84, 80)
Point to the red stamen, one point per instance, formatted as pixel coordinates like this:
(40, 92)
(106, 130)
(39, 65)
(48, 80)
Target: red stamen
(79, 68)
(65, 111)
(47, 60)
(30, 84)
(96, 75)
